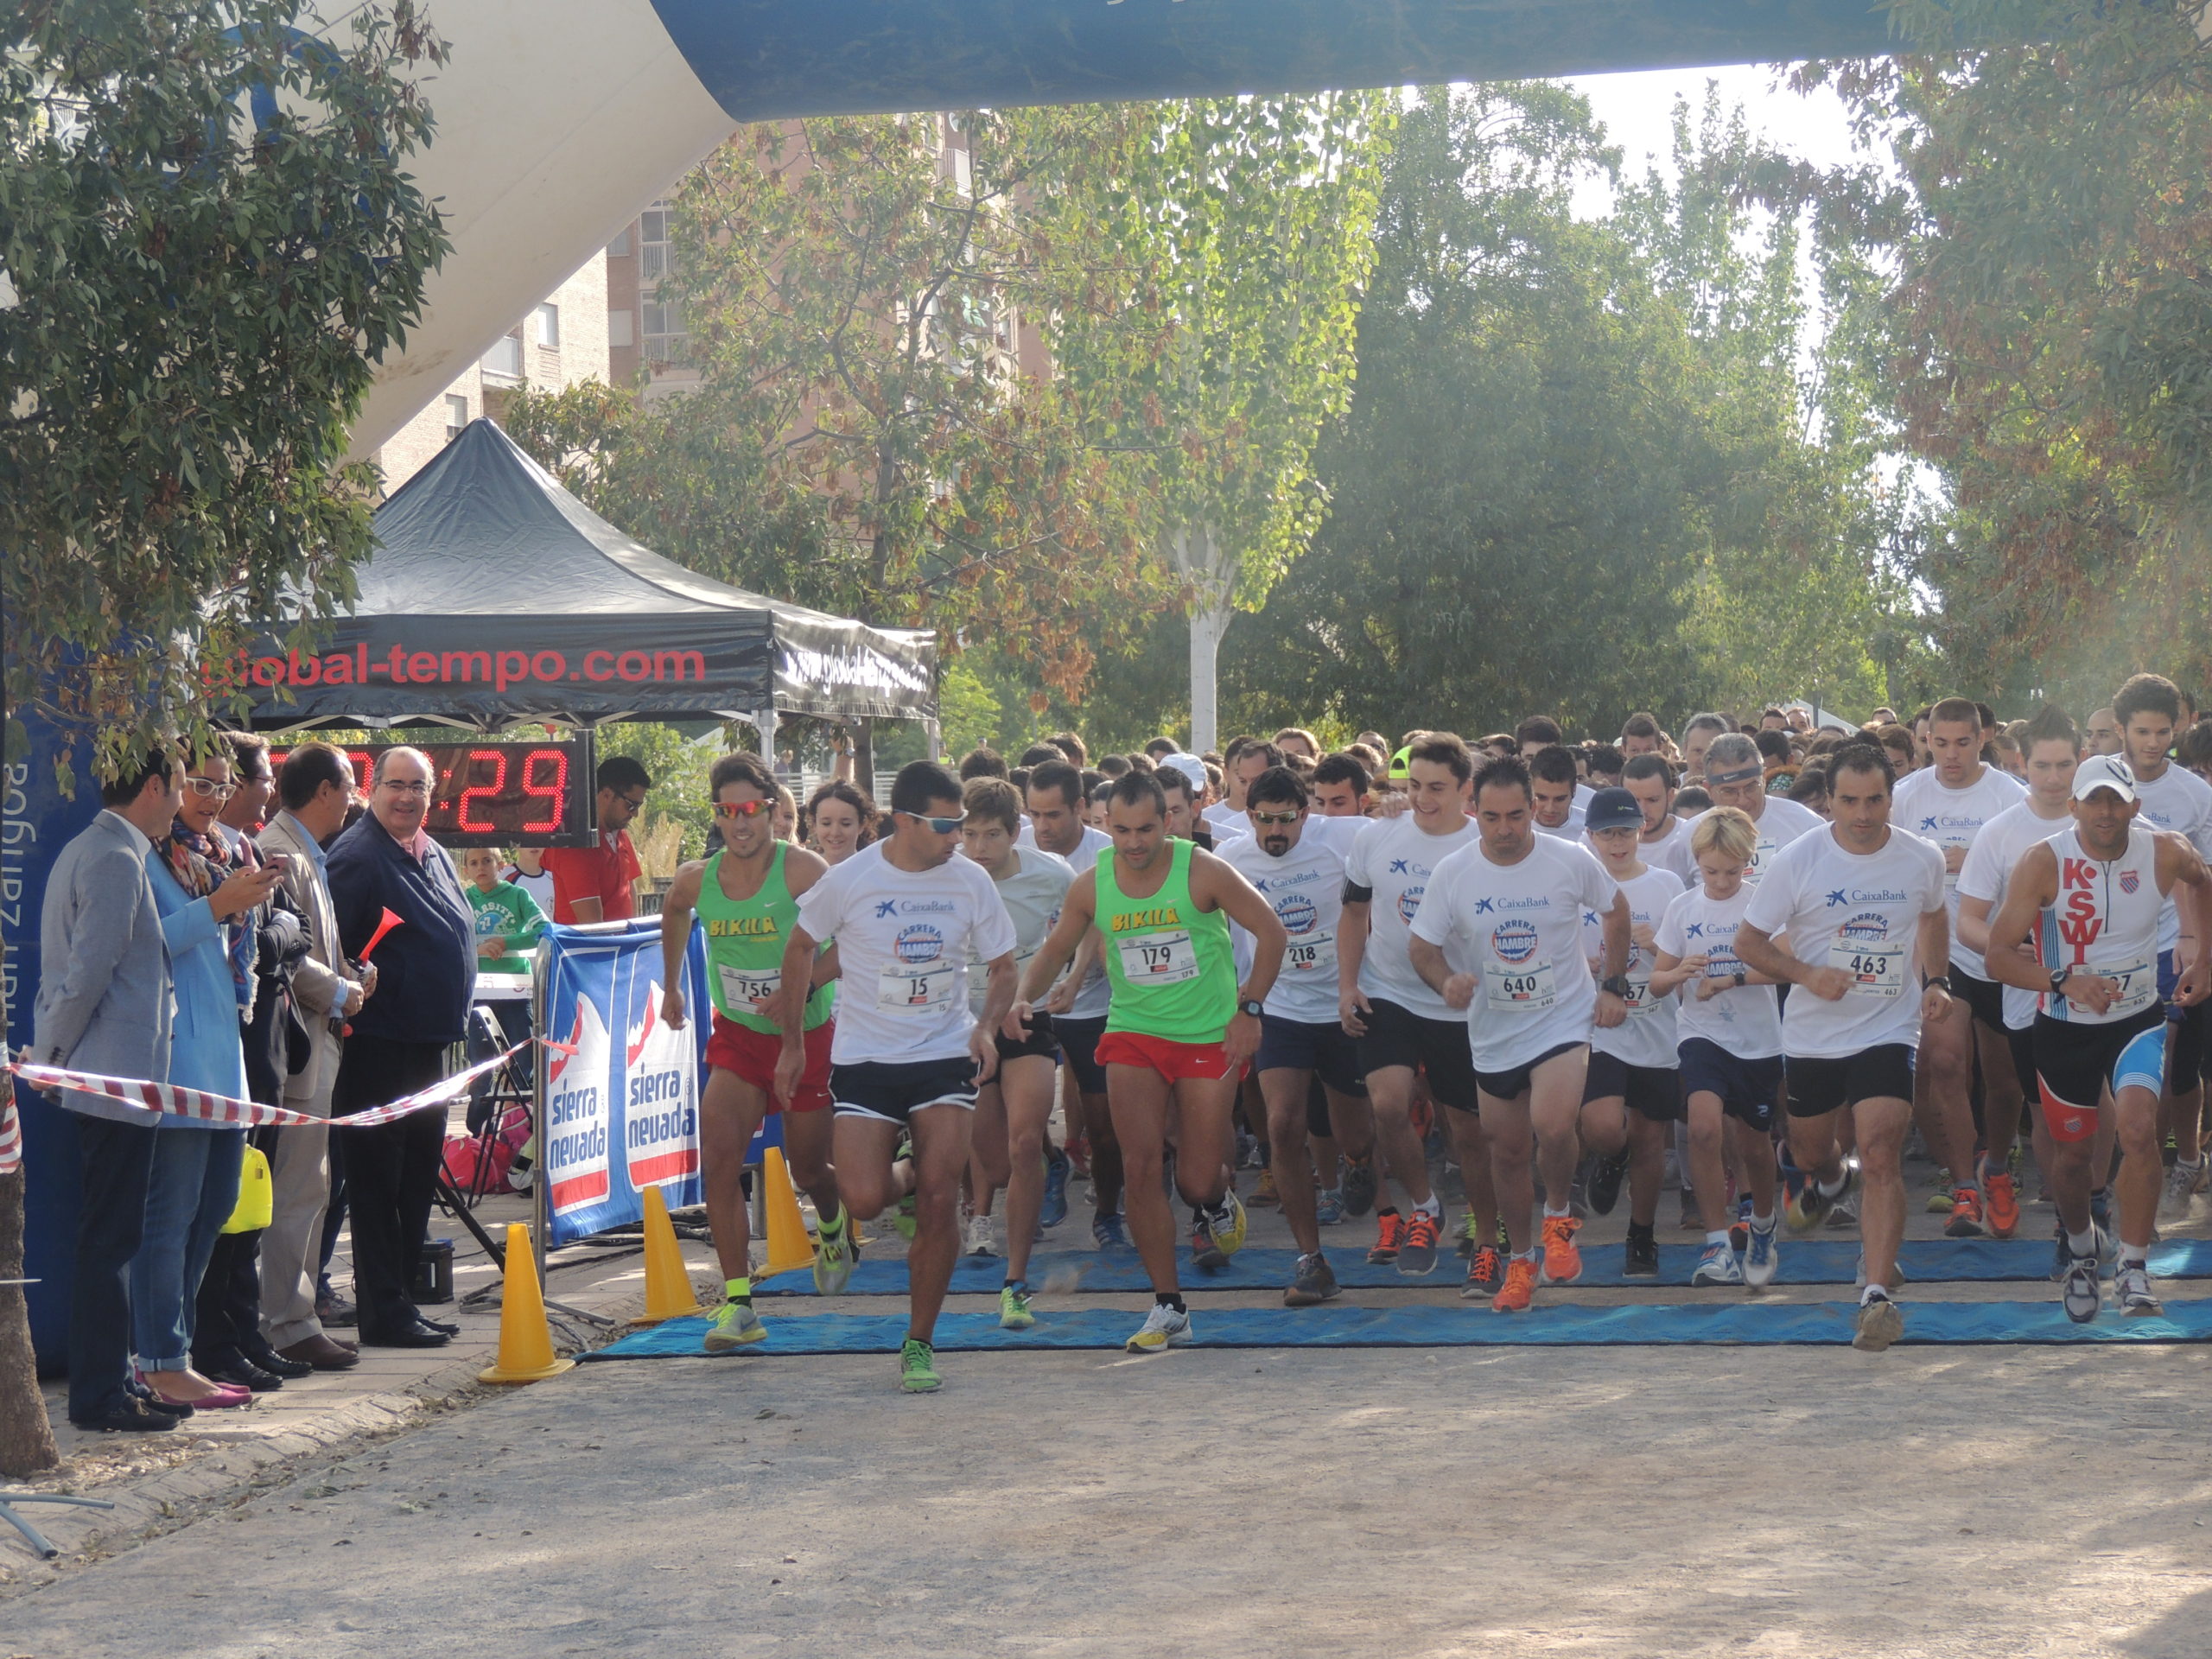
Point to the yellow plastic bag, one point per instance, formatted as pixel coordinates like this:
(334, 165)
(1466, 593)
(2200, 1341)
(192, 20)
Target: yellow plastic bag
(257, 1201)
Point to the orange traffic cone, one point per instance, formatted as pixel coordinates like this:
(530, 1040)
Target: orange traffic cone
(525, 1341)
(789, 1249)
(668, 1282)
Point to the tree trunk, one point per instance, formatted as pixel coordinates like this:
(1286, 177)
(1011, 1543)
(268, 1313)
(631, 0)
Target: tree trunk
(25, 1437)
(1198, 559)
(864, 757)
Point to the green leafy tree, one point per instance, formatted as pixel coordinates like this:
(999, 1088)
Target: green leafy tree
(207, 238)
(210, 236)
(2049, 349)
(1244, 233)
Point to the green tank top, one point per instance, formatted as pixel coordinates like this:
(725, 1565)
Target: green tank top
(1173, 968)
(745, 946)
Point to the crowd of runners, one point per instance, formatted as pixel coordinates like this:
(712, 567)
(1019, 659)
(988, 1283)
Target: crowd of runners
(1772, 949)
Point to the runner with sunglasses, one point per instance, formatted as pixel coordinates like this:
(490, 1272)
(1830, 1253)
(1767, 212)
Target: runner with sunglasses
(909, 1052)
(746, 895)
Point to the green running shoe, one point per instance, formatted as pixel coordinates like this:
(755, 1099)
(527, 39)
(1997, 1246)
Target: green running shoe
(834, 1257)
(1013, 1308)
(917, 1368)
(902, 1218)
(735, 1324)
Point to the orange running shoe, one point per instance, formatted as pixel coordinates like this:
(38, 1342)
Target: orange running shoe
(1520, 1288)
(1966, 1214)
(2000, 1201)
(1562, 1261)
(1389, 1234)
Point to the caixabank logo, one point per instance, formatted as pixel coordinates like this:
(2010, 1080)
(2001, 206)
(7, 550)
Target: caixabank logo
(660, 1102)
(575, 1107)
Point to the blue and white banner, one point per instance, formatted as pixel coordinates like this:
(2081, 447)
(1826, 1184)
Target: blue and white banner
(621, 1087)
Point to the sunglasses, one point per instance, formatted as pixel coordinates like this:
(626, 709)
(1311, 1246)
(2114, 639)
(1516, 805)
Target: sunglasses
(940, 826)
(742, 809)
(1276, 817)
(208, 790)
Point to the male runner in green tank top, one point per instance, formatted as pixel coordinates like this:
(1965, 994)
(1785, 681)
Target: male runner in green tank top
(743, 895)
(1179, 1026)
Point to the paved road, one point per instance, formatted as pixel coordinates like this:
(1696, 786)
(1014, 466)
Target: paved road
(1591, 1501)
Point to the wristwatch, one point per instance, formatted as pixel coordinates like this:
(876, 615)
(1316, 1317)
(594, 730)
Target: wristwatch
(1741, 979)
(1934, 980)
(2058, 978)
(1618, 985)
(1251, 1005)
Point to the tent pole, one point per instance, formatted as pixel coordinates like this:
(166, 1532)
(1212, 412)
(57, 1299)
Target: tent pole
(936, 738)
(765, 723)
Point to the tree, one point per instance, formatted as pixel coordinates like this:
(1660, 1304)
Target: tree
(1243, 226)
(1579, 475)
(207, 237)
(211, 237)
(2049, 333)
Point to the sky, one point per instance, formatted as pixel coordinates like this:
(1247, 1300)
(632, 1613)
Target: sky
(1636, 110)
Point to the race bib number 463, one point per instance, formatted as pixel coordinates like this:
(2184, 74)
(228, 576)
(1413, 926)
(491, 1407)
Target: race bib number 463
(1875, 970)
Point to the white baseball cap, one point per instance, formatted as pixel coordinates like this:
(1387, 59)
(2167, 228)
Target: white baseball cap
(2104, 771)
(1191, 767)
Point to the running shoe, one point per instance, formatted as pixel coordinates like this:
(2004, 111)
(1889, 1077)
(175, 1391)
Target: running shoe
(1217, 1234)
(1107, 1232)
(1231, 1223)
(1762, 1259)
(1485, 1273)
(1717, 1266)
(1470, 1236)
(2180, 1189)
(902, 1218)
(1520, 1286)
(1389, 1234)
(1641, 1259)
(1939, 1201)
(834, 1256)
(1843, 1214)
(1879, 1324)
(2100, 1211)
(978, 1241)
(1013, 1308)
(1562, 1261)
(735, 1324)
(918, 1367)
(1311, 1281)
(1604, 1187)
(1056, 1187)
(1265, 1193)
(1417, 1253)
(1328, 1206)
(2000, 1200)
(1164, 1326)
(1357, 1185)
(1966, 1215)
(1809, 1206)
(2082, 1296)
(2131, 1284)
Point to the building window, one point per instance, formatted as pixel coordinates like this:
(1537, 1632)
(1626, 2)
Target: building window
(549, 326)
(620, 247)
(621, 328)
(456, 415)
(653, 243)
(663, 330)
(505, 359)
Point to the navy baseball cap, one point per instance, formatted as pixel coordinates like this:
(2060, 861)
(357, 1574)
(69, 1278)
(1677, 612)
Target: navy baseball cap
(1612, 808)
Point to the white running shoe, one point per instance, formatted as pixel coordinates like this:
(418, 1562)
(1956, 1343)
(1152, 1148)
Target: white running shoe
(978, 1241)
(1717, 1266)
(1762, 1259)
(2180, 1190)
(1163, 1328)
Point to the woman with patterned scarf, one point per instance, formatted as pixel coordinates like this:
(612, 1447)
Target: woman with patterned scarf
(206, 896)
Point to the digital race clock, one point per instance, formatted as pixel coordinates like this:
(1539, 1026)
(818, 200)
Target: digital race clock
(498, 794)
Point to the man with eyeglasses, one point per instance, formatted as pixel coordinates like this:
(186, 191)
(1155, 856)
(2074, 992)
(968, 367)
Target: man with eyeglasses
(746, 895)
(599, 883)
(1735, 775)
(427, 969)
(908, 1054)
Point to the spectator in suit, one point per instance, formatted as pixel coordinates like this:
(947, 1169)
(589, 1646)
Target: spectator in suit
(206, 896)
(387, 861)
(313, 792)
(104, 1004)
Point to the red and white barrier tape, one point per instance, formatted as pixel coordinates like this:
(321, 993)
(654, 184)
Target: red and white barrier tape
(168, 1100)
(11, 1136)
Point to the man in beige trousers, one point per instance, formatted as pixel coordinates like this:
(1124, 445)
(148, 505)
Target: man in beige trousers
(313, 789)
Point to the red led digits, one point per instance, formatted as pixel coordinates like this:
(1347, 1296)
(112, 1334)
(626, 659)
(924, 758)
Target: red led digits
(492, 791)
(555, 793)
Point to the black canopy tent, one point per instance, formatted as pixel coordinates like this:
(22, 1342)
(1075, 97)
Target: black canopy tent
(495, 596)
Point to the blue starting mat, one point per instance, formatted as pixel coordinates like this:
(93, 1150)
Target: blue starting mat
(1815, 1261)
(1730, 1324)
